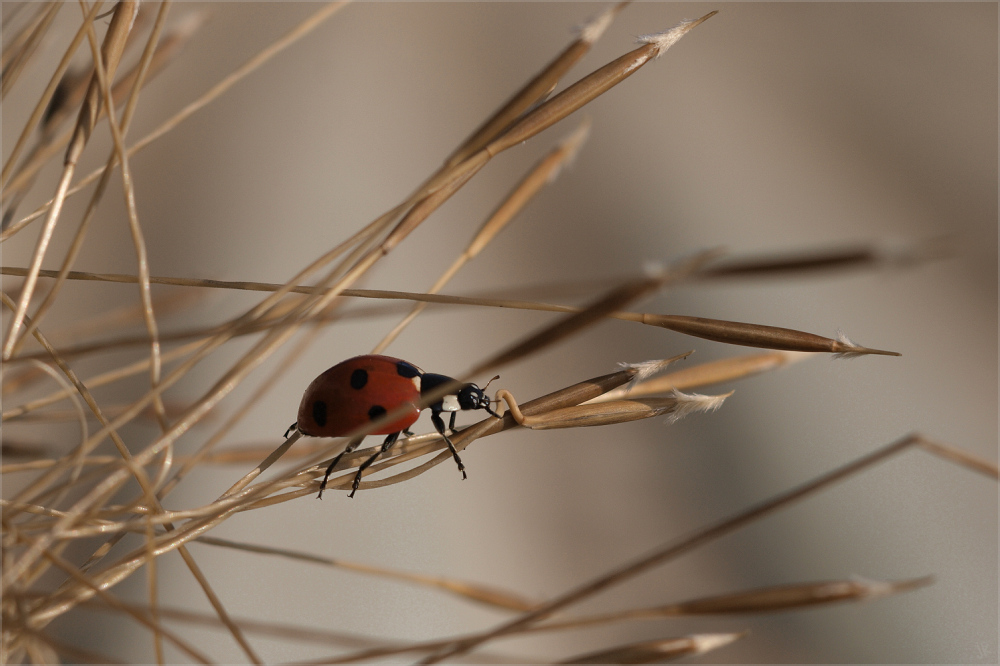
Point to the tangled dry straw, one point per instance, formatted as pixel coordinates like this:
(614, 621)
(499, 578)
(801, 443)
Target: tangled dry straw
(72, 506)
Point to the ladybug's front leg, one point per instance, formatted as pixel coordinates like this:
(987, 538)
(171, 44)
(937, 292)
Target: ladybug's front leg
(439, 426)
(351, 445)
(386, 445)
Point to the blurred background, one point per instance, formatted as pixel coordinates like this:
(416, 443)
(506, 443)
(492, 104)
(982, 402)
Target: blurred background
(771, 127)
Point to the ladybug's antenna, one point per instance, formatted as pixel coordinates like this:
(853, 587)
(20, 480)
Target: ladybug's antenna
(486, 398)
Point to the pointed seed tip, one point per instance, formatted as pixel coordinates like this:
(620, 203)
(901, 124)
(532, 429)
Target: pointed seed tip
(877, 352)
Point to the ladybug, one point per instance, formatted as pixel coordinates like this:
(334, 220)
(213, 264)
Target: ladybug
(364, 388)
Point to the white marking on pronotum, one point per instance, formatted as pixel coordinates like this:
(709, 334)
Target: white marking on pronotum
(416, 382)
(449, 403)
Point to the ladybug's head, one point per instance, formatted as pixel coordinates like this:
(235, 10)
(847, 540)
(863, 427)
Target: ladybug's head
(471, 396)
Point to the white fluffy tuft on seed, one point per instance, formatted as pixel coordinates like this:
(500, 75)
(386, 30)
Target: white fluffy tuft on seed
(664, 40)
(690, 403)
(847, 342)
(644, 370)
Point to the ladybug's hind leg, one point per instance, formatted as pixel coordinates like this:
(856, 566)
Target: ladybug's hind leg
(386, 445)
(292, 427)
(439, 426)
(351, 445)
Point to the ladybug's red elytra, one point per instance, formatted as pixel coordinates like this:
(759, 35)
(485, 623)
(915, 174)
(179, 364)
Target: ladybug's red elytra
(364, 388)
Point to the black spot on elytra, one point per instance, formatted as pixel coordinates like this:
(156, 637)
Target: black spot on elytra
(319, 413)
(359, 378)
(407, 370)
(376, 411)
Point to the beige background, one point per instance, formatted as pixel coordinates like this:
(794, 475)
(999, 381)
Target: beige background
(771, 127)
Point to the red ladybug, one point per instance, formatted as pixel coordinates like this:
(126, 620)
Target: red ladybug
(364, 388)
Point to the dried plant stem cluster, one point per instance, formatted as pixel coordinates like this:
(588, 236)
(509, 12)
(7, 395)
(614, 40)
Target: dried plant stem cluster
(93, 495)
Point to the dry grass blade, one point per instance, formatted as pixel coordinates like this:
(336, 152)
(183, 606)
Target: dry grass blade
(102, 379)
(870, 255)
(591, 314)
(762, 600)
(154, 599)
(738, 333)
(425, 206)
(759, 335)
(111, 51)
(673, 550)
(252, 64)
(772, 599)
(617, 411)
(70, 91)
(13, 44)
(963, 458)
(649, 652)
(206, 449)
(591, 86)
(52, 647)
(92, 404)
(103, 79)
(71, 570)
(542, 173)
(489, 596)
(25, 48)
(537, 88)
(39, 110)
(705, 374)
(286, 632)
(108, 485)
(573, 98)
(133, 466)
(136, 82)
(109, 54)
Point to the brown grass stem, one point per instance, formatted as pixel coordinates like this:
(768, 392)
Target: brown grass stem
(40, 106)
(541, 174)
(678, 547)
(475, 592)
(213, 93)
(537, 88)
(13, 67)
(110, 52)
(658, 651)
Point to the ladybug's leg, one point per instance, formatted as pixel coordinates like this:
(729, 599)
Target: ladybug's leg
(291, 428)
(351, 445)
(439, 426)
(386, 445)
